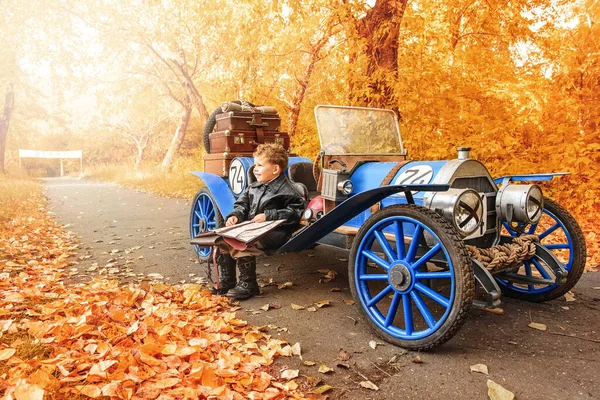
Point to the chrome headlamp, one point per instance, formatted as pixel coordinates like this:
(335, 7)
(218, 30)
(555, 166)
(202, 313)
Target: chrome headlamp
(345, 187)
(463, 208)
(520, 203)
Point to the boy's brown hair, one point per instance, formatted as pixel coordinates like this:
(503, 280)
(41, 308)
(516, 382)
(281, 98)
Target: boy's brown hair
(273, 153)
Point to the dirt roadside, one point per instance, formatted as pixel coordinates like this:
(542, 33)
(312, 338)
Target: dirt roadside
(132, 235)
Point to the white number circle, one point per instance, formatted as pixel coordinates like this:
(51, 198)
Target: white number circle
(415, 175)
(237, 177)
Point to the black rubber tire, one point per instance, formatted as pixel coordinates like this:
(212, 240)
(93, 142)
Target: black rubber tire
(218, 218)
(463, 274)
(579, 257)
(212, 121)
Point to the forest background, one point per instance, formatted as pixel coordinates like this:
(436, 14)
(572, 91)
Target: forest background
(132, 82)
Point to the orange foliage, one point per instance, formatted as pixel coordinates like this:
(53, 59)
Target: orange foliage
(101, 339)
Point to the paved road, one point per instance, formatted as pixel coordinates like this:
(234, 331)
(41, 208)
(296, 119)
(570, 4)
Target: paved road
(134, 235)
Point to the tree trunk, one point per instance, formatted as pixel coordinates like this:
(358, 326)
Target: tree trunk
(139, 156)
(380, 28)
(9, 104)
(178, 137)
(303, 85)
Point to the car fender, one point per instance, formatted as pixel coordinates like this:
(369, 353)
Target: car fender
(530, 177)
(220, 191)
(348, 209)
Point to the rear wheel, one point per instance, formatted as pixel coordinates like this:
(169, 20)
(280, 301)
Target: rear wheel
(558, 232)
(204, 216)
(411, 275)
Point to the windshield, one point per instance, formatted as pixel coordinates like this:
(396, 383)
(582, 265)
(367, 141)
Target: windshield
(356, 130)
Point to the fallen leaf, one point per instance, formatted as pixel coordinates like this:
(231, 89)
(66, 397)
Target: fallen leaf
(285, 285)
(539, 327)
(5, 354)
(369, 385)
(497, 310)
(322, 389)
(564, 307)
(417, 359)
(497, 392)
(373, 344)
(297, 350)
(289, 374)
(349, 302)
(569, 296)
(265, 307)
(343, 355)
(313, 380)
(297, 307)
(323, 303)
(481, 368)
(312, 309)
(335, 289)
(324, 369)
(309, 363)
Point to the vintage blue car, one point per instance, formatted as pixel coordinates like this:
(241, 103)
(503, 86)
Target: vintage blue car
(416, 230)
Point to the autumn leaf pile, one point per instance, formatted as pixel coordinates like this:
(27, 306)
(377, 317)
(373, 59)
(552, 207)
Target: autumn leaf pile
(102, 340)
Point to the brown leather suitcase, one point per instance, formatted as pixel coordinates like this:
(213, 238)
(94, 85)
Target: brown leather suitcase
(244, 141)
(218, 164)
(248, 121)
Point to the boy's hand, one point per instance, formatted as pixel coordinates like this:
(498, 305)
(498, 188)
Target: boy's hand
(231, 221)
(260, 218)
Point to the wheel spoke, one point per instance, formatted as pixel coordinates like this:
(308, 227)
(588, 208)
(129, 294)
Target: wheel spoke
(380, 296)
(531, 229)
(414, 244)
(423, 309)
(376, 259)
(509, 229)
(549, 231)
(527, 265)
(389, 253)
(434, 275)
(373, 277)
(426, 257)
(408, 314)
(399, 232)
(195, 225)
(541, 269)
(432, 294)
(557, 246)
(198, 214)
(393, 309)
(210, 213)
(213, 224)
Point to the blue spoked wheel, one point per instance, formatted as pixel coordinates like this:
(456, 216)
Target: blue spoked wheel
(204, 216)
(559, 232)
(411, 275)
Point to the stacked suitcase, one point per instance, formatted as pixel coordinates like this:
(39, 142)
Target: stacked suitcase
(239, 129)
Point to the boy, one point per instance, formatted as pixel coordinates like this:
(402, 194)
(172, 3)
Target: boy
(272, 197)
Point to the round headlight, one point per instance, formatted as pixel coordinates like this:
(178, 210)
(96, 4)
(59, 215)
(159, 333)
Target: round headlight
(463, 208)
(345, 187)
(308, 214)
(520, 203)
(468, 212)
(535, 204)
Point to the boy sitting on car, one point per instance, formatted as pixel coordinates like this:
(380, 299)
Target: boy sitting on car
(272, 197)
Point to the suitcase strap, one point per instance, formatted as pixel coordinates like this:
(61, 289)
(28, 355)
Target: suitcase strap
(258, 123)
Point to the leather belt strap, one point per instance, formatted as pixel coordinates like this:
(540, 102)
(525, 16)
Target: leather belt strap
(386, 181)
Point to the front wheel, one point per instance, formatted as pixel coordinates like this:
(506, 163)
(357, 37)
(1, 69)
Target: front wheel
(412, 277)
(558, 232)
(204, 216)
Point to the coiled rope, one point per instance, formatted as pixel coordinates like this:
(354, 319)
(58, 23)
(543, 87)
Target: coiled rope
(505, 256)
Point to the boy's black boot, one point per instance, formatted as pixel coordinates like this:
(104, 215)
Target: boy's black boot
(247, 285)
(226, 265)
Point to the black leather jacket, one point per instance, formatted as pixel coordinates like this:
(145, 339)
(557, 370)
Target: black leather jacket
(278, 199)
